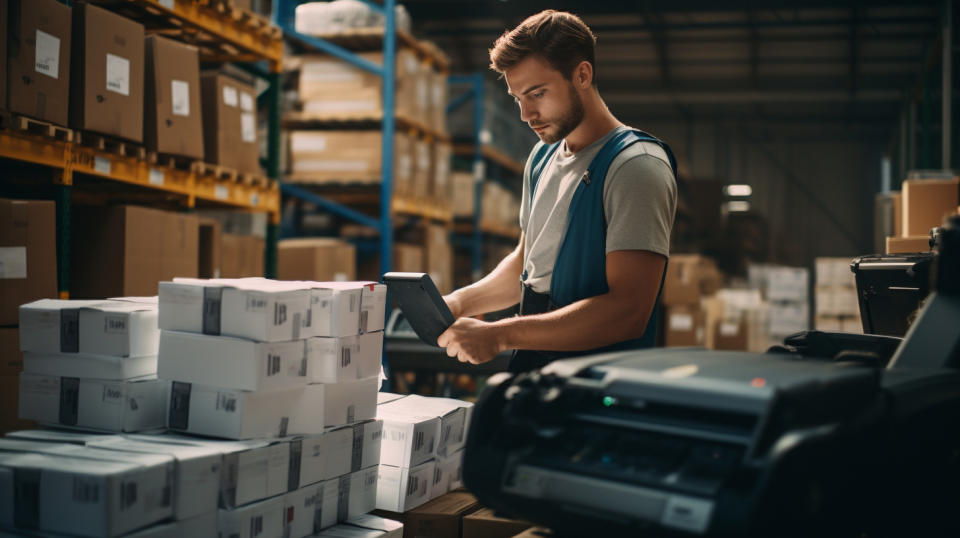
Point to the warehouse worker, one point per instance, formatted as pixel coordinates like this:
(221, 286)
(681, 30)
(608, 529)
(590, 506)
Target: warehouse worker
(598, 204)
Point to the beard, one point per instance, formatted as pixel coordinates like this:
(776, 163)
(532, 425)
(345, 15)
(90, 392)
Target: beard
(566, 123)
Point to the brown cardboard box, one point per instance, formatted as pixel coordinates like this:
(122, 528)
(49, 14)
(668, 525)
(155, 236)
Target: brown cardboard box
(229, 123)
(926, 202)
(684, 326)
(210, 248)
(730, 336)
(440, 186)
(422, 169)
(406, 258)
(439, 518)
(902, 245)
(684, 281)
(463, 194)
(106, 86)
(172, 117)
(28, 255)
(39, 59)
(127, 250)
(347, 156)
(438, 101)
(329, 86)
(11, 358)
(484, 524)
(898, 212)
(439, 256)
(321, 259)
(242, 256)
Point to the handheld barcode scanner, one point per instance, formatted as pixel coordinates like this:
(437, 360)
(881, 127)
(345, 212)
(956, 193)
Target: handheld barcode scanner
(421, 303)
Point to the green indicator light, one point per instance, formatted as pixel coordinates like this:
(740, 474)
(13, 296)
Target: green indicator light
(609, 401)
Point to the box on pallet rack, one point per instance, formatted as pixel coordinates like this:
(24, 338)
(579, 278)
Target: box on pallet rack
(172, 118)
(229, 123)
(347, 157)
(107, 73)
(38, 67)
(28, 255)
(319, 259)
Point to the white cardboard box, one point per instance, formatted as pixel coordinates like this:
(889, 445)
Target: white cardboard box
(89, 497)
(256, 309)
(453, 417)
(390, 528)
(387, 397)
(344, 358)
(197, 478)
(202, 526)
(87, 365)
(263, 519)
(362, 497)
(61, 436)
(99, 327)
(334, 308)
(116, 406)
(788, 318)
(348, 401)
(301, 509)
(452, 469)
(308, 457)
(787, 283)
(350, 531)
(400, 489)
(409, 437)
(224, 361)
(251, 471)
(238, 414)
(332, 359)
(329, 508)
(352, 448)
(373, 307)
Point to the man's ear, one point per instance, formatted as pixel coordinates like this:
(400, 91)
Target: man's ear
(583, 75)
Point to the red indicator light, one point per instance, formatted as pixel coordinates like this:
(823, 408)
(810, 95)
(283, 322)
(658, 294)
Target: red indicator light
(758, 382)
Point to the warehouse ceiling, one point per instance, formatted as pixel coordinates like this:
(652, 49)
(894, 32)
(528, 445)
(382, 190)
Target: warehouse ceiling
(811, 62)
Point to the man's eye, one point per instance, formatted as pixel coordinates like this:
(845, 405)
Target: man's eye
(538, 95)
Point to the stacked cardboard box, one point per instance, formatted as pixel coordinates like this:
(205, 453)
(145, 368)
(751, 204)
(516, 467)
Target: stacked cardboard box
(229, 122)
(107, 73)
(28, 255)
(463, 189)
(786, 290)
(501, 207)
(835, 297)
(91, 364)
(925, 201)
(173, 122)
(348, 156)
(736, 320)
(422, 452)
(126, 250)
(316, 258)
(688, 279)
(232, 244)
(439, 256)
(38, 68)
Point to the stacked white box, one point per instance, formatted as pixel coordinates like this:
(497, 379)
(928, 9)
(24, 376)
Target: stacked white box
(260, 519)
(99, 404)
(115, 328)
(85, 496)
(835, 296)
(786, 289)
(400, 489)
(388, 527)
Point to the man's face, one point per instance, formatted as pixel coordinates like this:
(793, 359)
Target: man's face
(548, 102)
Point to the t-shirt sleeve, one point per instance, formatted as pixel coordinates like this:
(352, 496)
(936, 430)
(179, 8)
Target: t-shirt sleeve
(525, 195)
(640, 202)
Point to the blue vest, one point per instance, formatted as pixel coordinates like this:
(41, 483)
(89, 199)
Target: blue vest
(581, 267)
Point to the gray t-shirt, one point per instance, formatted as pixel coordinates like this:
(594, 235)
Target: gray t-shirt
(639, 203)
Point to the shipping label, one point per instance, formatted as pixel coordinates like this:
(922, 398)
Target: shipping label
(180, 97)
(13, 262)
(47, 57)
(118, 74)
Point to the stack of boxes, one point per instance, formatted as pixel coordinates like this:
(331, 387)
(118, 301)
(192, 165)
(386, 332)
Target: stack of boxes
(835, 297)
(925, 200)
(688, 280)
(91, 364)
(787, 291)
(28, 271)
(422, 453)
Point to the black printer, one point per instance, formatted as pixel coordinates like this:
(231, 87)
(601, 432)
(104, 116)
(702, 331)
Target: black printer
(690, 442)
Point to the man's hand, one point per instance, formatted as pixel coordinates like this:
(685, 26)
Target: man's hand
(453, 303)
(471, 340)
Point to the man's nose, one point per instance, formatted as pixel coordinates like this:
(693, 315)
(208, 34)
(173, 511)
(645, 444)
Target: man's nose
(527, 112)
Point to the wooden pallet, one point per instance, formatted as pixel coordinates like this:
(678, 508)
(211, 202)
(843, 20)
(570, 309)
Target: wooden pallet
(179, 162)
(255, 180)
(16, 122)
(110, 144)
(217, 171)
(360, 120)
(371, 39)
(244, 16)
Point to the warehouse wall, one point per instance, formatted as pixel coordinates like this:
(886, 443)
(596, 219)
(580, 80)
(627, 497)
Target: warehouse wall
(815, 190)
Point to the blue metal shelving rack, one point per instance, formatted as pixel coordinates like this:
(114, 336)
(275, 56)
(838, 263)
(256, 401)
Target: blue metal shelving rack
(475, 92)
(283, 16)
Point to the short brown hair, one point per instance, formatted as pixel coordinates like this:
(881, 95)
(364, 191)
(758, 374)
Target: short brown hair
(561, 38)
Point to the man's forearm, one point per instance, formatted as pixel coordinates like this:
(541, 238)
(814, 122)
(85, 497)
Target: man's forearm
(586, 324)
(496, 291)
